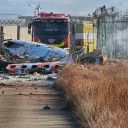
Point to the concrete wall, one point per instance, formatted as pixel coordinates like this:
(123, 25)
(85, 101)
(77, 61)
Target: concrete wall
(10, 32)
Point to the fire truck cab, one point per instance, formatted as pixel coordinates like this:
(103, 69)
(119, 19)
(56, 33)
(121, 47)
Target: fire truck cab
(51, 28)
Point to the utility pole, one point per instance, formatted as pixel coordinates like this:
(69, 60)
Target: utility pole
(36, 8)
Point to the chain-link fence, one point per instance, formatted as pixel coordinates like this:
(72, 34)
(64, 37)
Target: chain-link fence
(112, 32)
(14, 33)
(13, 26)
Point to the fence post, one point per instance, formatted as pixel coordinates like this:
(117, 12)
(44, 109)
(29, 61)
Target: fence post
(1, 34)
(18, 32)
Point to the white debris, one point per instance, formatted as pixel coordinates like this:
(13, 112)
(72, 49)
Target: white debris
(34, 49)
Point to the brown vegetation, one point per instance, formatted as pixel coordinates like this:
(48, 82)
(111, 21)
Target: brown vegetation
(100, 93)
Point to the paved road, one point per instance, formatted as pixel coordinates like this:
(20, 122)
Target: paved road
(29, 104)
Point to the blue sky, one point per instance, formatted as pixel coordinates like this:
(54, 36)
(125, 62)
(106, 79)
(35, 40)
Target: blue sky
(72, 7)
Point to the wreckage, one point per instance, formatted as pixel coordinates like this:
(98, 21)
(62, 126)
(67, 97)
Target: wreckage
(18, 51)
(22, 56)
(45, 67)
(28, 57)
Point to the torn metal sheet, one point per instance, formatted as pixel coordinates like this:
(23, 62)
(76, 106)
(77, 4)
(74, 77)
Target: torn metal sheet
(46, 67)
(32, 51)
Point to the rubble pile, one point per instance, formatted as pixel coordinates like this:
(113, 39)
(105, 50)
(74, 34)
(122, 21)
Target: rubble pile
(29, 57)
(21, 57)
(31, 51)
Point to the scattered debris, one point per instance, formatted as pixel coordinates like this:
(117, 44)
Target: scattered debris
(46, 107)
(45, 67)
(52, 76)
(25, 77)
(3, 64)
(2, 84)
(4, 77)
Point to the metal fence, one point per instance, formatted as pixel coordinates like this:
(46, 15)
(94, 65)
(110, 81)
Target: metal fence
(14, 33)
(13, 26)
(13, 22)
(112, 32)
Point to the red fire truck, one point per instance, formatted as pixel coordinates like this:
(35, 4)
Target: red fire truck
(52, 29)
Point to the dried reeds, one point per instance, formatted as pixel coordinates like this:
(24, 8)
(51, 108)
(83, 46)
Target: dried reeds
(100, 93)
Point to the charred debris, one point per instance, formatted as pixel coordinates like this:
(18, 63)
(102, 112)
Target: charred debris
(28, 57)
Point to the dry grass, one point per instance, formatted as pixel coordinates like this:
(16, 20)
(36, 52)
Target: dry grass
(100, 93)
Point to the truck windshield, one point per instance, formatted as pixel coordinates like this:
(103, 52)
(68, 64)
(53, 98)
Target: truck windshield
(51, 27)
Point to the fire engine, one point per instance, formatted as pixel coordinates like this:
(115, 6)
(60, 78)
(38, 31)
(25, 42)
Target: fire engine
(62, 30)
(51, 28)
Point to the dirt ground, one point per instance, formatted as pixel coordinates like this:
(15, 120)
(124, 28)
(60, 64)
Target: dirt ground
(32, 102)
